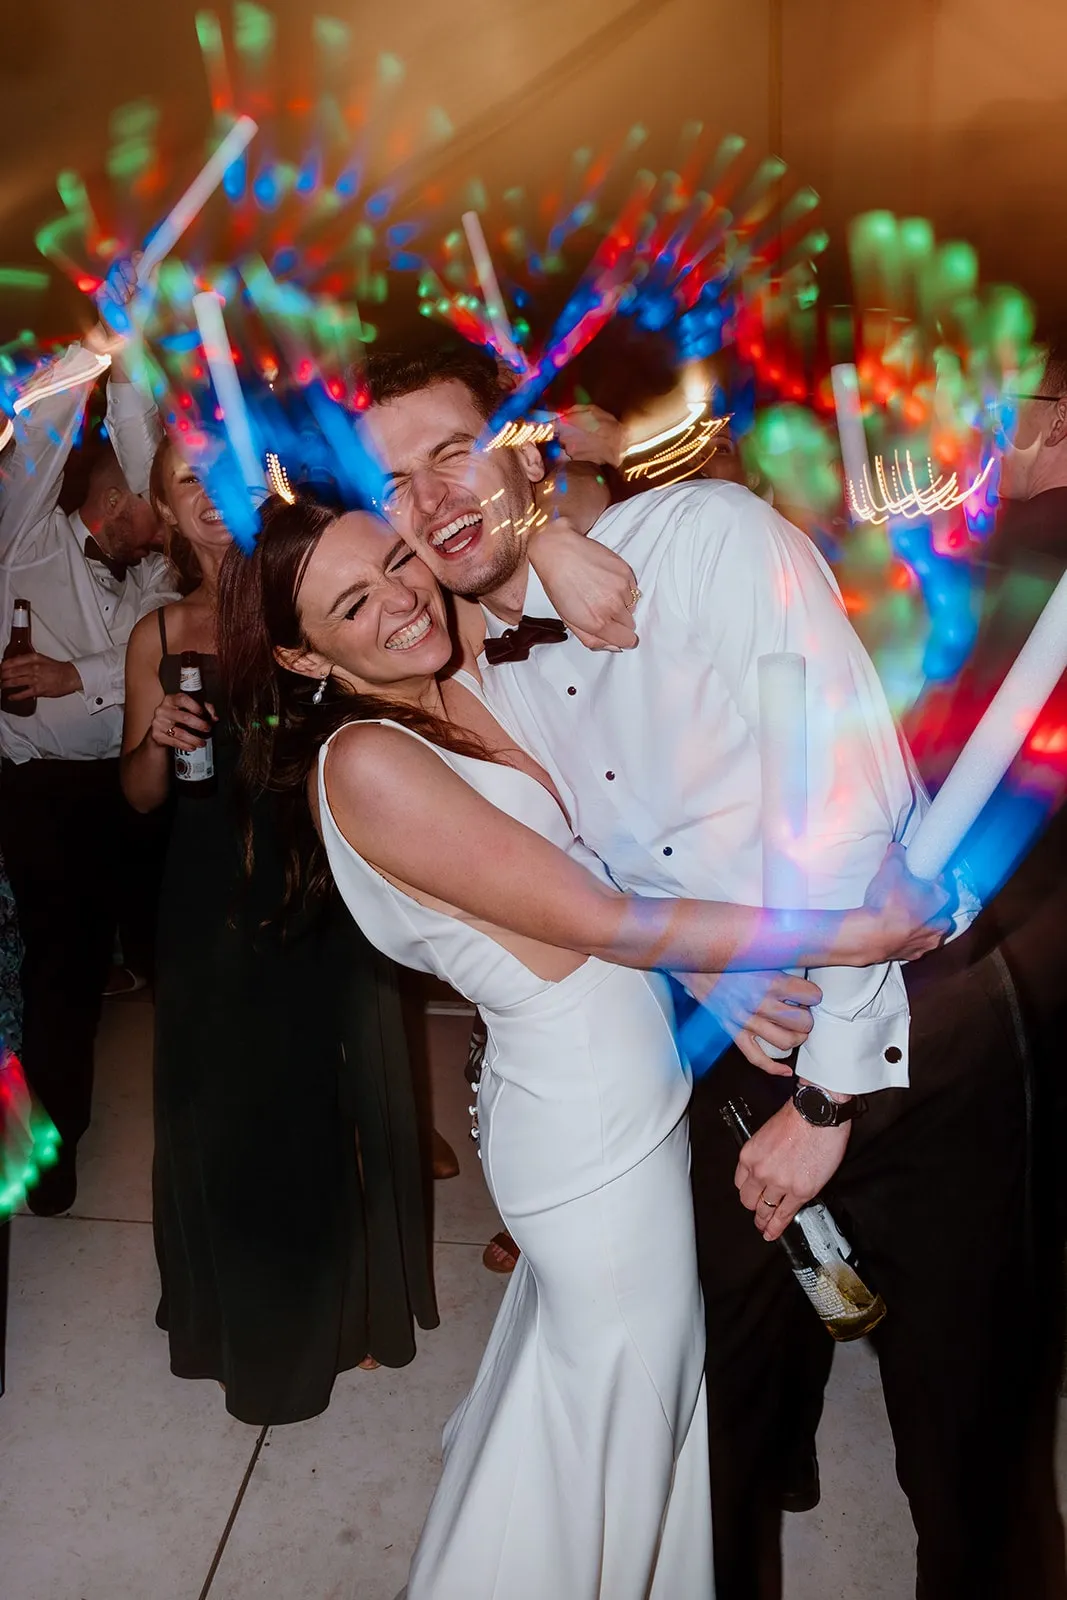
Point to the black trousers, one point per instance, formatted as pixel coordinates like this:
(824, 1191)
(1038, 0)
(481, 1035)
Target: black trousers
(60, 830)
(933, 1194)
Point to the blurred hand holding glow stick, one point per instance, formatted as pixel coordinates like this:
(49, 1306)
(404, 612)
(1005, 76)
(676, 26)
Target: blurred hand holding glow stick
(995, 742)
(197, 195)
(783, 754)
(208, 312)
(494, 300)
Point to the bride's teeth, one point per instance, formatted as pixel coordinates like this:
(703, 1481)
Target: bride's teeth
(404, 638)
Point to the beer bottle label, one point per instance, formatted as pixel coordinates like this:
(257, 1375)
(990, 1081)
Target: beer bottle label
(825, 1239)
(195, 766)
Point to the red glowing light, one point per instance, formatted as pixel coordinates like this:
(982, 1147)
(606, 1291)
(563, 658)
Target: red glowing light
(335, 389)
(1049, 741)
(87, 285)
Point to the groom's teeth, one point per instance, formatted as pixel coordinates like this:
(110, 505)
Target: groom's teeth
(469, 519)
(405, 637)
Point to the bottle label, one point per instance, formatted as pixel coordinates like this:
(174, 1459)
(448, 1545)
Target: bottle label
(195, 766)
(190, 682)
(825, 1296)
(21, 617)
(825, 1239)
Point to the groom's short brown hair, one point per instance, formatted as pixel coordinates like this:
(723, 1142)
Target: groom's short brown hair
(390, 374)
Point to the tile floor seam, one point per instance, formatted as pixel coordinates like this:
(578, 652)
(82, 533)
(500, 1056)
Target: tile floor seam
(234, 1509)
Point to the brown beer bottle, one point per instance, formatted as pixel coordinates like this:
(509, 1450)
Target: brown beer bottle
(195, 769)
(19, 644)
(820, 1256)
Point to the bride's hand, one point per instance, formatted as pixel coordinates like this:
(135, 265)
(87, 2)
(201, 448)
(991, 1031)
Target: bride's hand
(910, 914)
(592, 588)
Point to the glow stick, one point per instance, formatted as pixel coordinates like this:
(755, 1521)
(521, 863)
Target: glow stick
(494, 300)
(7, 432)
(783, 757)
(208, 312)
(996, 741)
(197, 195)
(846, 386)
(783, 754)
(85, 368)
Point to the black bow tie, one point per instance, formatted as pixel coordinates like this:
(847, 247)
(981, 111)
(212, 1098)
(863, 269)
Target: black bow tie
(93, 552)
(515, 644)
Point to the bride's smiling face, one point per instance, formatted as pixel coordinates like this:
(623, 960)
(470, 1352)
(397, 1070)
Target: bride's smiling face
(370, 610)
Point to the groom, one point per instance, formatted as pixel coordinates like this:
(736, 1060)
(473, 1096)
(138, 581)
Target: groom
(655, 754)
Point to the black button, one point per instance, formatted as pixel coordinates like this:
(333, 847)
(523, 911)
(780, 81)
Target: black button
(610, 777)
(668, 850)
(572, 690)
(894, 1054)
(99, 701)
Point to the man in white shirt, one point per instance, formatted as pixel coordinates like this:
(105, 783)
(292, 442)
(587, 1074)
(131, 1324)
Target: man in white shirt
(655, 755)
(88, 577)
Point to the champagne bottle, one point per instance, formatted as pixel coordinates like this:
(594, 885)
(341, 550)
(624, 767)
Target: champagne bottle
(820, 1256)
(19, 644)
(195, 769)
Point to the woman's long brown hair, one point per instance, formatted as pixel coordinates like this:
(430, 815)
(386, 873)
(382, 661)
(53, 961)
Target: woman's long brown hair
(176, 547)
(280, 728)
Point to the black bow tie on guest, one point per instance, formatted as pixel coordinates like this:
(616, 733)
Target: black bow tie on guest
(93, 552)
(515, 644)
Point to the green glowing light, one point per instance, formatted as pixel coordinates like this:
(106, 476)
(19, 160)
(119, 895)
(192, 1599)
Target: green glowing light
(391, 70)
(209, 33)
(22, 278)
(253, 29)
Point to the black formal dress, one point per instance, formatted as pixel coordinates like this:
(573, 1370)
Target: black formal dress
(289, 1205)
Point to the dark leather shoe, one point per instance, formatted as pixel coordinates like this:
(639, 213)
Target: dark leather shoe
(803, 1490)
(57, 1188)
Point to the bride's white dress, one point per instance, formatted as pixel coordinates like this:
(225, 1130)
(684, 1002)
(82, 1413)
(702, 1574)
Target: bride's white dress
(577, 1466)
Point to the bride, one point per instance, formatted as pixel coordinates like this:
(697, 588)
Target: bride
(577, 1465)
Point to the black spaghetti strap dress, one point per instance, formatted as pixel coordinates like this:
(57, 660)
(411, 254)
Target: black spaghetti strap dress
(290, 1213)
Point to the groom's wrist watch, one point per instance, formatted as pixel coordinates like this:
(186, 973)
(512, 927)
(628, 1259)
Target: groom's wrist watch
(821, 1110)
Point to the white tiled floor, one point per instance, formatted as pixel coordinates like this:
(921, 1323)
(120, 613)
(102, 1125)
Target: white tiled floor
(117, 1481)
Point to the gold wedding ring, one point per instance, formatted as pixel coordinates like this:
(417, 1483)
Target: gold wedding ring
(772, 1205)
(635, 595)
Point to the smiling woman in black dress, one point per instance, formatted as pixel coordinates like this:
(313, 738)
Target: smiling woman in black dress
(289, 1207)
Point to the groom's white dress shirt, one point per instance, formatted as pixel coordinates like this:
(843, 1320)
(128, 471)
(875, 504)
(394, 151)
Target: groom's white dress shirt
(655, 750)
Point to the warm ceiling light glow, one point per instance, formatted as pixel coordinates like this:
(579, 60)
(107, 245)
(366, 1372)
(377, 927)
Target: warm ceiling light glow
(899, 495)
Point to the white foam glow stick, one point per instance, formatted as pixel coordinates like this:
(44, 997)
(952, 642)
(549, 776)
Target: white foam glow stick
(783, 754)
(7, 432)
(783, 757)
(494, 300)
(208, 312)
(846, 386)
(996, 741)
(197, 195)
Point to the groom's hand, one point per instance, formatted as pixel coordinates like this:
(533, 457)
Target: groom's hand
(787, 1162)
(773, 1006)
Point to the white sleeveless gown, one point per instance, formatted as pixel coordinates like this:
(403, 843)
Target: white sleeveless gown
(577, 1466)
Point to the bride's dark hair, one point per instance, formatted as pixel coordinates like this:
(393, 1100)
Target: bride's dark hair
(277, 723)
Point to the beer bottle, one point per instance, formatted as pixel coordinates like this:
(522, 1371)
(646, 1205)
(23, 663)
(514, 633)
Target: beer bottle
(19, 645)
(820, 1256)
(195, 769)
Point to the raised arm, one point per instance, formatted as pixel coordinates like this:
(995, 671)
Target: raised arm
(32, 474)
(407, 813)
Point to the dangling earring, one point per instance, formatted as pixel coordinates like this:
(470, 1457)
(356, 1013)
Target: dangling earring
(316, 698)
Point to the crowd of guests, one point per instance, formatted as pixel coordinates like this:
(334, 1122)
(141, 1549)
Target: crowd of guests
(292, 1168)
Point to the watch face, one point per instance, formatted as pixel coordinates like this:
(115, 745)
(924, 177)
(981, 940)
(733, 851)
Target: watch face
(815, 1107)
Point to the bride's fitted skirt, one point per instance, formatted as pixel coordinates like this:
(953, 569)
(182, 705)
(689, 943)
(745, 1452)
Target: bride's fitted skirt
(577, 1467)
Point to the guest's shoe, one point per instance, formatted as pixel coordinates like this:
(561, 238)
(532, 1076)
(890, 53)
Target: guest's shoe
(57, 1188)
(122, 981)
(444, 1160)
(803, 1490)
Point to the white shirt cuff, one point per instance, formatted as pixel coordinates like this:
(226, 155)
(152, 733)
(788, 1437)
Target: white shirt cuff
(860, 1051)
(102, 680)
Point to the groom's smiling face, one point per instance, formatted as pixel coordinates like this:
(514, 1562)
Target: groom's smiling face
(465, 510)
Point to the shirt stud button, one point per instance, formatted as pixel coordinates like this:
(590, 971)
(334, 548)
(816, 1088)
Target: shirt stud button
(572, 689)
(610, 777)
(668, 850)
(894, 1054)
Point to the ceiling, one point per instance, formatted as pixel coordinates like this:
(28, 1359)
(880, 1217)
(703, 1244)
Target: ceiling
(953, 109)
